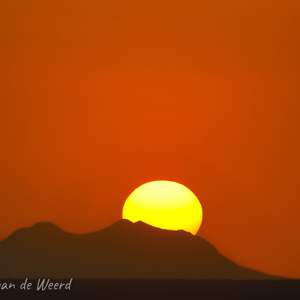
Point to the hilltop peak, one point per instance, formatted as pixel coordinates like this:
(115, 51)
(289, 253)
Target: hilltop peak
(45, 225)
(144, 226)
(44, 228)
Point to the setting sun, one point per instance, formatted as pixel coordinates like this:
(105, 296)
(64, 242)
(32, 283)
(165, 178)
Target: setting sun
(166, 205)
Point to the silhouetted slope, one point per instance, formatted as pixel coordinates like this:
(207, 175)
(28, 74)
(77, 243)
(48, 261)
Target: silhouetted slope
(123, 250)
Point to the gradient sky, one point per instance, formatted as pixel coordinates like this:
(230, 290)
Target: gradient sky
(99, 97)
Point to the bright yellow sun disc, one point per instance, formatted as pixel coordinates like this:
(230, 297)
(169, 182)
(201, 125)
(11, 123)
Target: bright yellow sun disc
(164, 204)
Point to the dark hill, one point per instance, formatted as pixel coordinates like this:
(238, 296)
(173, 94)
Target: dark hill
(123, 250)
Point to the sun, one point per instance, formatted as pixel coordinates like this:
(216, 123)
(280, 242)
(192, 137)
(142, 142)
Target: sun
(166, 205)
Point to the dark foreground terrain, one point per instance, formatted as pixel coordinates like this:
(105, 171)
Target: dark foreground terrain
(160, 289)
(122, 250)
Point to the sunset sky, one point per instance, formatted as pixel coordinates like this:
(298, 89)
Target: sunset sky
(99, 97)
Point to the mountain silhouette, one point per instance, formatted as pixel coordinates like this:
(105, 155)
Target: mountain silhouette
(122, 250)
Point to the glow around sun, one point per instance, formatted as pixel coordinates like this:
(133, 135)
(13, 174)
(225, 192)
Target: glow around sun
(164, 204)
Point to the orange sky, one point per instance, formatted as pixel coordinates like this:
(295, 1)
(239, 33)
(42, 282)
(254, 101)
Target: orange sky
(98, 97)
